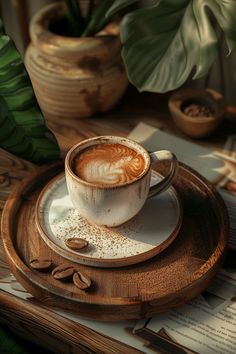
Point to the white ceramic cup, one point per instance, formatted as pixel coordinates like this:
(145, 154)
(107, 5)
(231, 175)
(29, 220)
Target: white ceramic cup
(112, 205)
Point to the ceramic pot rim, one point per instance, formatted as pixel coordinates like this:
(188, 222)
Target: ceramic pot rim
(106, 41)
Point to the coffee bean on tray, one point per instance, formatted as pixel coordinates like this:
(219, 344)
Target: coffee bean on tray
(40, 264)
(81, 280)
(63, 272)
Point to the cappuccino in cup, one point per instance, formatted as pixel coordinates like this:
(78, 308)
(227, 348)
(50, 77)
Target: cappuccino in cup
(108, 178)
(109, 164)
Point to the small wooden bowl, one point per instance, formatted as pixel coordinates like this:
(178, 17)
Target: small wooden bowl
(202, 125)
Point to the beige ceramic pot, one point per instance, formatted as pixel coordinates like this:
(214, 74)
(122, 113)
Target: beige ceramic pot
(202, 123)
(74, 77)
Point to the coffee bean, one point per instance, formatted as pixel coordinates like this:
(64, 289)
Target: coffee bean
(81, 280)
(40, 264)
(63, 272)
(197, 110)
(76, 243)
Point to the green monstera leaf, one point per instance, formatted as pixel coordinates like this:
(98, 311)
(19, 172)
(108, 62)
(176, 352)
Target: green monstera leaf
(166, 42)
(23, 131)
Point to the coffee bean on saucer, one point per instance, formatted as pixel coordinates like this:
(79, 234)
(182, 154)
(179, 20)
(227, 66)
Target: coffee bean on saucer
(81, 280)
(76, 243)
(40, 264)
(63, 272)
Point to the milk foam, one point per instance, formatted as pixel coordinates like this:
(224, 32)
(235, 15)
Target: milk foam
(109, 164)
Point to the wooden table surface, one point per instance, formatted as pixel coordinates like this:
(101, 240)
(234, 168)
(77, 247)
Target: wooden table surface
(28, 318)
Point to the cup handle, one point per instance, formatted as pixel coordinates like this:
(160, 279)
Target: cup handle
(164, 155)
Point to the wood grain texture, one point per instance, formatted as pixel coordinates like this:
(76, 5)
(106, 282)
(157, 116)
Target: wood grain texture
(166, 281)
(34, 321)
(119, 121)
(133, 108)
(12, 171)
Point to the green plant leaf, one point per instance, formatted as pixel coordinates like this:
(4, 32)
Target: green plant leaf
(23, 131)
(163, 44)
(119, 5)
(98, 19)
(75, 17)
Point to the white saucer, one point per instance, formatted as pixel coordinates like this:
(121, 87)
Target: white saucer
(139, 239)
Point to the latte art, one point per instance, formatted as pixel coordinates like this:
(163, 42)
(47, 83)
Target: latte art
(109, 164)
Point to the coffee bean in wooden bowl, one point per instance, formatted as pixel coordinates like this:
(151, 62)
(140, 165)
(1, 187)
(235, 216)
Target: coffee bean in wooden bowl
(197, 112)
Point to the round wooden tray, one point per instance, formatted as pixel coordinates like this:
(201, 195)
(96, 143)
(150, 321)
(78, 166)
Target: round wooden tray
(172, 278)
